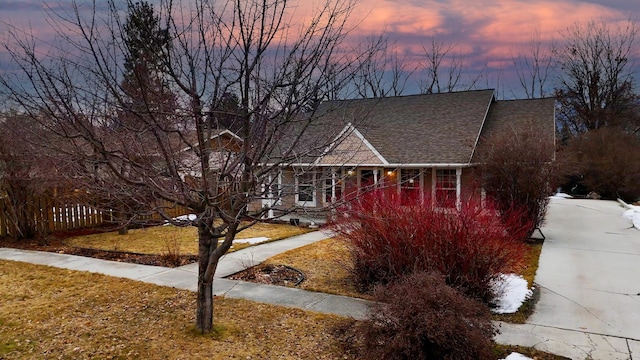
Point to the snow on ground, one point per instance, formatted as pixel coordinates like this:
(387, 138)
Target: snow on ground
(182, 219)
(188, 217)
(632, 213)
(254, 240)
(516, 356)
(561, 195)
(512, 290)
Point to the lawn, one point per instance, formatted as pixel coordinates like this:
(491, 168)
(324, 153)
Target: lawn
(325, 264)
(56, 313)
(162, 239)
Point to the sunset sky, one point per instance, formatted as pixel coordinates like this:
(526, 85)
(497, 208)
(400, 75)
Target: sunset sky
(489, 33)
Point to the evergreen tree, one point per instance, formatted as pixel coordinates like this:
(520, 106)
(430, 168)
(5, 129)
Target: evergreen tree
(149, 100)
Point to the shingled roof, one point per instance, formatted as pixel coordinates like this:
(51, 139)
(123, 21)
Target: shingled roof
(434, 129)
(443, 129)
(510, 116)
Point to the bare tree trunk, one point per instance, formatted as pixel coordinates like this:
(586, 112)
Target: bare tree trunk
(123, 230)
(204, 312)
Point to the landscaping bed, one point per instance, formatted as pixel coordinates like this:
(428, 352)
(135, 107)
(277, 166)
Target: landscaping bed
(280, 275)
(57, 244)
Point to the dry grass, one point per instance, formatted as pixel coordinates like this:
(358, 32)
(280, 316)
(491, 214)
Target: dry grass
(155, 240)
(502, 351)
(325, 265)
(532, 258)
(57, 313)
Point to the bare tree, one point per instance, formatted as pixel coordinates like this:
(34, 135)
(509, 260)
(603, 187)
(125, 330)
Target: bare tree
(250, 49)
(596, 81)
(24, 171)
(385, 74)
(518, 170)
(444, 69)
(534, 65)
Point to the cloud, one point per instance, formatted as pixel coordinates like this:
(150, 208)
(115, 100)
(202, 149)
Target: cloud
(629, 6)
(20, 6)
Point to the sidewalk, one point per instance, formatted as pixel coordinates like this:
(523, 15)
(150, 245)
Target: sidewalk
(186, 277)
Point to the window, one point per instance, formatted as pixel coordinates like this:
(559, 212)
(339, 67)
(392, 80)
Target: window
(446, 188)
(409, 185)
(305, 189)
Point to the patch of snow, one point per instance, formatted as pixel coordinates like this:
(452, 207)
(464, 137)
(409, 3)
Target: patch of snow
(188, 217)
(632, 213)
(561, 195)
(517, 356)
(255, 240)
(182, 219)
(512, 290)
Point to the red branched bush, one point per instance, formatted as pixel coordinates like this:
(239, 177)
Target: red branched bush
(470, 245)
(420, 317)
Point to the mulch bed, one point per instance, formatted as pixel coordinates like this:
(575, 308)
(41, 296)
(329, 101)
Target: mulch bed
(281, 275)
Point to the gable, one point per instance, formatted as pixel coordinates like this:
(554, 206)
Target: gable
(352, 149)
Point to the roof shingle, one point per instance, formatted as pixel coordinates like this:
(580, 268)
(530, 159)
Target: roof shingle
(418, 129)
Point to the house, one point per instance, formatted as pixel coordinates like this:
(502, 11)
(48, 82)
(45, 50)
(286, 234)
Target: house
(418, 144)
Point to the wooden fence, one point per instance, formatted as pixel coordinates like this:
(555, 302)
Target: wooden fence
(47, 215)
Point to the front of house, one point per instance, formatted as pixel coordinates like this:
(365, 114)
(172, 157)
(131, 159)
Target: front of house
(420, 145)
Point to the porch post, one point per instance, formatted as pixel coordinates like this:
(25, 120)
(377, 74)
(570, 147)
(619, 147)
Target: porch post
(333, 185)
(458, 187)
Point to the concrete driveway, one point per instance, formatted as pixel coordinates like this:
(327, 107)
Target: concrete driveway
(589, 273)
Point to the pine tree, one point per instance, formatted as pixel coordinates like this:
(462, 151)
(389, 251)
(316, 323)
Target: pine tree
(149, 100)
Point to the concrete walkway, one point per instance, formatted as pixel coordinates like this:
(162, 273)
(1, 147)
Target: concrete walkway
(589, 304)
(186, 277)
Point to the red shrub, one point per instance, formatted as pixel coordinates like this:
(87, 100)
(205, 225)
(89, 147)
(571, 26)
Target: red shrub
(420, 317)
(470, 246)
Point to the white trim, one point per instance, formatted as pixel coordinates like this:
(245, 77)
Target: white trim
(355, 131)
(368, 144)
(213, 137)
(401, 174)
(227, 132)
(434, 181)
(270, 200)
(422, 183)
(329, 147)
(458, 188)
(332, 181)
(376, 171)
(484, 120)
(314, 191)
